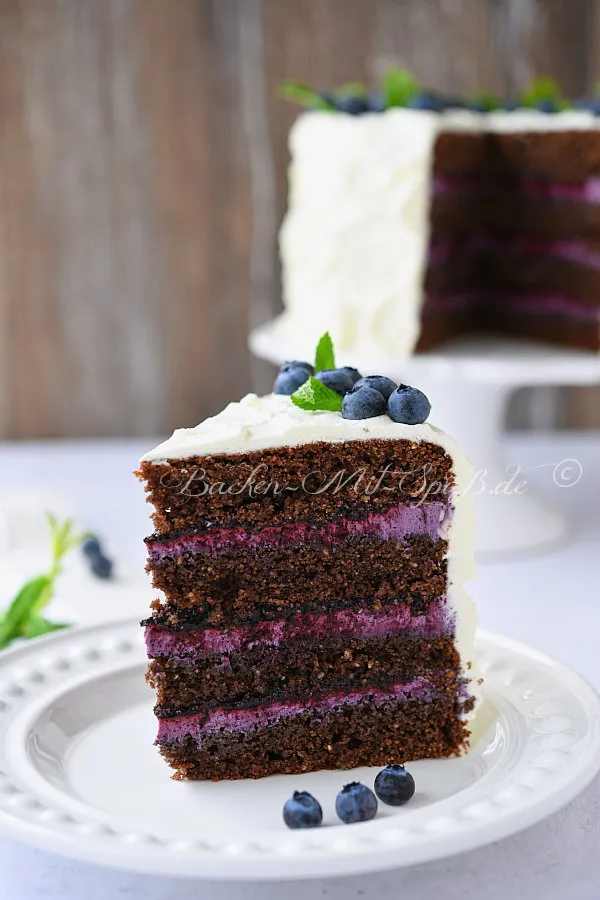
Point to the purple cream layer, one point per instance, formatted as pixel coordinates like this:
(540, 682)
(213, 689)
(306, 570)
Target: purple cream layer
(544, 304)
(392, 619)
(570, 251)
(587, 192)
(392, 525)
(201, 725)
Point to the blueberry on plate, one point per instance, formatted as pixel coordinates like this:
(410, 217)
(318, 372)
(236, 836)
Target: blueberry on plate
(363, 403)
(356, 803)
(379, 383)
(102, 566)
(337, 379)
(302, 811)
(353, 373)
(292, 375)
(408, 405)
(394, 785)
(91, 546)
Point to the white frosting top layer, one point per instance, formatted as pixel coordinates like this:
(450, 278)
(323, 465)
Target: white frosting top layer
(354, 241)
(258, 423)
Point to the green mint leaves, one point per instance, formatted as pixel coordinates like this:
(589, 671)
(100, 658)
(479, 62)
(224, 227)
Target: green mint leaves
(398, 87)
(324, 355)
(304, 96)
(23, 618)
(314, 395)
(543, 90)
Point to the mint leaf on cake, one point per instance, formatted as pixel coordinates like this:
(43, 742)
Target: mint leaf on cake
(324, 354)
(314, 395)
(398, 87)
(544, 94)
(305, 96)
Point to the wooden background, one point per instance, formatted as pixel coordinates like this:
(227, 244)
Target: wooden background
(142, 182)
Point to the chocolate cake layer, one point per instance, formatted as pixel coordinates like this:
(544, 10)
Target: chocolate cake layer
(280, 486)
(565, 157)
(296, 670)
(344, 738)
(229, 586)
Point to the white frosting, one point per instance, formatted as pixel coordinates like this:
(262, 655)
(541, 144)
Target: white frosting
(354, 241)
(259, 423)
(353, 244)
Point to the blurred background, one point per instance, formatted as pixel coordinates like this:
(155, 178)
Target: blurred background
(143, 155)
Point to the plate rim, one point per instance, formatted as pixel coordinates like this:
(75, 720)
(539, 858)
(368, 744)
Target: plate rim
(373, 853)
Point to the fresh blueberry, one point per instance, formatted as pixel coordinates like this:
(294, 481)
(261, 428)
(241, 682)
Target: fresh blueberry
(363, 403)
(547, 105)
(428, 101)
(394, 785)
(590, 105)
(302, 811)
(356, 803)
(291, 376)
(102, 567)
(337, 379)
(377, 102)
(379, 383)
(352, 104)
(408, 405)
(353, 373)
(91, 546)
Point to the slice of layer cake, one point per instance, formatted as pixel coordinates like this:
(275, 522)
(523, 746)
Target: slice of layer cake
(407, 227)
(313, 612)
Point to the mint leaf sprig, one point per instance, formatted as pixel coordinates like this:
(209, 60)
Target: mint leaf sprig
(313, 395)
(23, 618)
(398, 87)
(304, 96)
(324, 354)
(543, 90)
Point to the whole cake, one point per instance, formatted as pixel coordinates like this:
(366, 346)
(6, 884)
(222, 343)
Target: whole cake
(422, 220)
(311, 553)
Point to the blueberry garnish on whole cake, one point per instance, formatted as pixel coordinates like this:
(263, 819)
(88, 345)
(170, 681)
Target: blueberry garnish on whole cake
(346, 391)
(398, 89)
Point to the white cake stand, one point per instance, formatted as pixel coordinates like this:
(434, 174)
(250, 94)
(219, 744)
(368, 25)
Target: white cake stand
(469, 383)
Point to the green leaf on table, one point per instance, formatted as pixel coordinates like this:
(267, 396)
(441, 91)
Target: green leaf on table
(398, 87)
(38, 625)
(23, 617)
(324, 354)
(313, 395)
(32, 597)
(304, 96)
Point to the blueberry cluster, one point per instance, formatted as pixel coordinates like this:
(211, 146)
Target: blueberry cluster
(362, 397)
(355, 802)
(100, 564)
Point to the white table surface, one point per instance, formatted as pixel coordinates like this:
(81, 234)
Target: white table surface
(551, 601)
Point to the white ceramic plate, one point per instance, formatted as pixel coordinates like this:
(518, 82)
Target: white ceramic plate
(79, 775)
